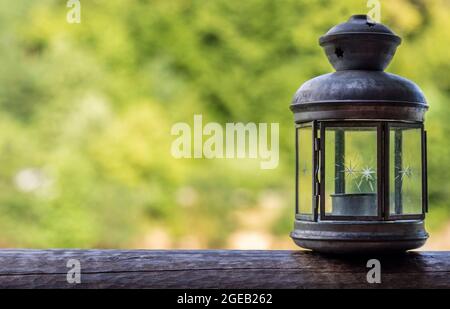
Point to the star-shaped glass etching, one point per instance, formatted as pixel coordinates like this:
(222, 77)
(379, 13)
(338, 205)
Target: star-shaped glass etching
(406, 172)
(367, 174)
(350, 169)
(359, 177)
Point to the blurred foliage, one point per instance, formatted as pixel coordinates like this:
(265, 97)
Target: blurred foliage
(86, 111)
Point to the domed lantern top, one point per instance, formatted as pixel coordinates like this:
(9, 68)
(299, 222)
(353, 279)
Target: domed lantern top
(361, 177)
(360, 44)
(359, 50)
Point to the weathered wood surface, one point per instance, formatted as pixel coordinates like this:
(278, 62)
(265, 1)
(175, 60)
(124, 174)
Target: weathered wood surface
(218, 269)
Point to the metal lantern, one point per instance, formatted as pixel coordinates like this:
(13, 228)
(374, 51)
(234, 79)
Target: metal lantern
(361, 172)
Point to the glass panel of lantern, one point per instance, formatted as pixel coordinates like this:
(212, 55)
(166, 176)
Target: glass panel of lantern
(304, 170)
(351, 167)
(405, 170)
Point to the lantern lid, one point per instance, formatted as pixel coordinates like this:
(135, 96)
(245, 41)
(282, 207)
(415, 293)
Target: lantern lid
(359, 24)
(359, 50)
(360, 44)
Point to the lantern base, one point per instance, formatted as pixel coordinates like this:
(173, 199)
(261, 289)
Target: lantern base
(343, 237)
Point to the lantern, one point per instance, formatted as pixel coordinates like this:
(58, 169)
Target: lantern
(361, 171)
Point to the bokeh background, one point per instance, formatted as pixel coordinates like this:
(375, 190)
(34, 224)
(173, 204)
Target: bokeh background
(86, 111)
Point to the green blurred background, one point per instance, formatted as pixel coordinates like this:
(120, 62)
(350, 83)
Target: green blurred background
(86, 111)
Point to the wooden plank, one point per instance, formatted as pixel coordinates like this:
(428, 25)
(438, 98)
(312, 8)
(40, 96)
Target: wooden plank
(218, 269)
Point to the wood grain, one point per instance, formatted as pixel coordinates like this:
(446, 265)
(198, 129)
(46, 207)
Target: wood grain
(218, 269)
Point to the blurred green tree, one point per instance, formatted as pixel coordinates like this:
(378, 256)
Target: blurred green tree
(86, 111)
